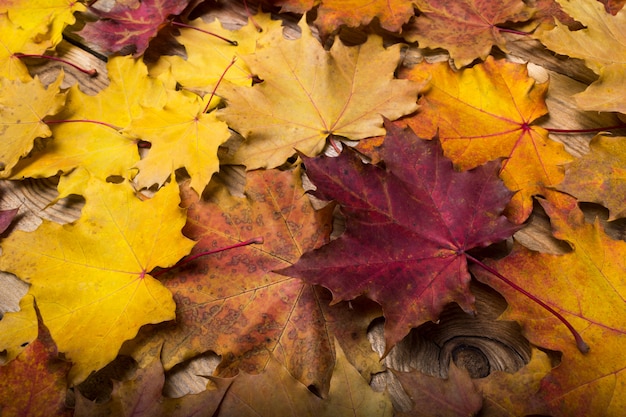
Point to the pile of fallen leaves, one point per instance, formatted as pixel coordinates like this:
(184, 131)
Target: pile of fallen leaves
(167, 262)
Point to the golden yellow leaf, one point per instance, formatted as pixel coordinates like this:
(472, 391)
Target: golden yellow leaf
(90, 278)
(208, 56)
(601, 45)
(182, 135)
(309, 93)
(18, 328)
(43, 19)
(98, 147)
(23, 106)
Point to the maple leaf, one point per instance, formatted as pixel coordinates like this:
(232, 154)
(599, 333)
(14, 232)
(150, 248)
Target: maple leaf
(182, 135)
(23, 107)
(126, 29)
(98, 147)
(276, 393)
(233, 304)
(331, 14)
(90, 278)
(486, 112)
(600, 176)
(309, 94)
(44, 19)
(586, 287)
(18, 329)
(407, 229)
(435, 397)
(142, 396)
(34, 384)
(207, 56)
(466, 28)
(601, 45)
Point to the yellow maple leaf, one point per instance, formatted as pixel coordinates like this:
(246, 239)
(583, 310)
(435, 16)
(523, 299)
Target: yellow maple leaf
(23, 106)
(90, 278)
(208, 56)
(17, 328)
(309, 93)
(14, 39)
(182, 135)
(99, 148)
(43, 19)
(485, 113)
(601, 45)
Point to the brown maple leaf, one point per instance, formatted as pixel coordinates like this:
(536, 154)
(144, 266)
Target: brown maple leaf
(465, 28)
(233, 304)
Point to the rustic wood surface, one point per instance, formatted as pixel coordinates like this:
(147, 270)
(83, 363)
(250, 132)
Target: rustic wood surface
(480, 344)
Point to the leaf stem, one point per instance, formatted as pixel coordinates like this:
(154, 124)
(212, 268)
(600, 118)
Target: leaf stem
(97, 122)
(210, 252)
(513, 31)
(254, 23)
(91, 72)
(184, 25)
(580, 343)
(232, 62)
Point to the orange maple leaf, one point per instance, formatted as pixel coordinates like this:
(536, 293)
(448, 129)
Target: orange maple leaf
(586, 286)
(485, 113)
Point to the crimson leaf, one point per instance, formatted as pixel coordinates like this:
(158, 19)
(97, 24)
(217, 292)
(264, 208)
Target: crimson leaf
(408, 227)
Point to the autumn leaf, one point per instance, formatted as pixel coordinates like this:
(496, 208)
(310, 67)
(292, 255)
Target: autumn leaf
(34, 384)
(485, 113)
(207, 57)
(331, 14)
(90, 278)
(467, 28)
(93, 140)
(515, 394)
(18, 329)
(233, 304)
(23, 107)
(601, 45)
(276, 393)
(586, 287)
(407, 229)
(142, 396)
(434, 397)
(44, 19)
(127, 30)
(600, 176)
(6, 218)
(181, 135)
(309, 93)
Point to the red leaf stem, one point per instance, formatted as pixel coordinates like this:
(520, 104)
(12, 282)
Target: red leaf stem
(91, 72)
(184, 25)
(219, 82)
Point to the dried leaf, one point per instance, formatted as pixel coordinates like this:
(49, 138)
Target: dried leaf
(485, 113)
(90, 278)
(309, 93)
(407, 229)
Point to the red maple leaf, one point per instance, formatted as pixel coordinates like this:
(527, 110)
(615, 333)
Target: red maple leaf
(125, 29)
(408, 227)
